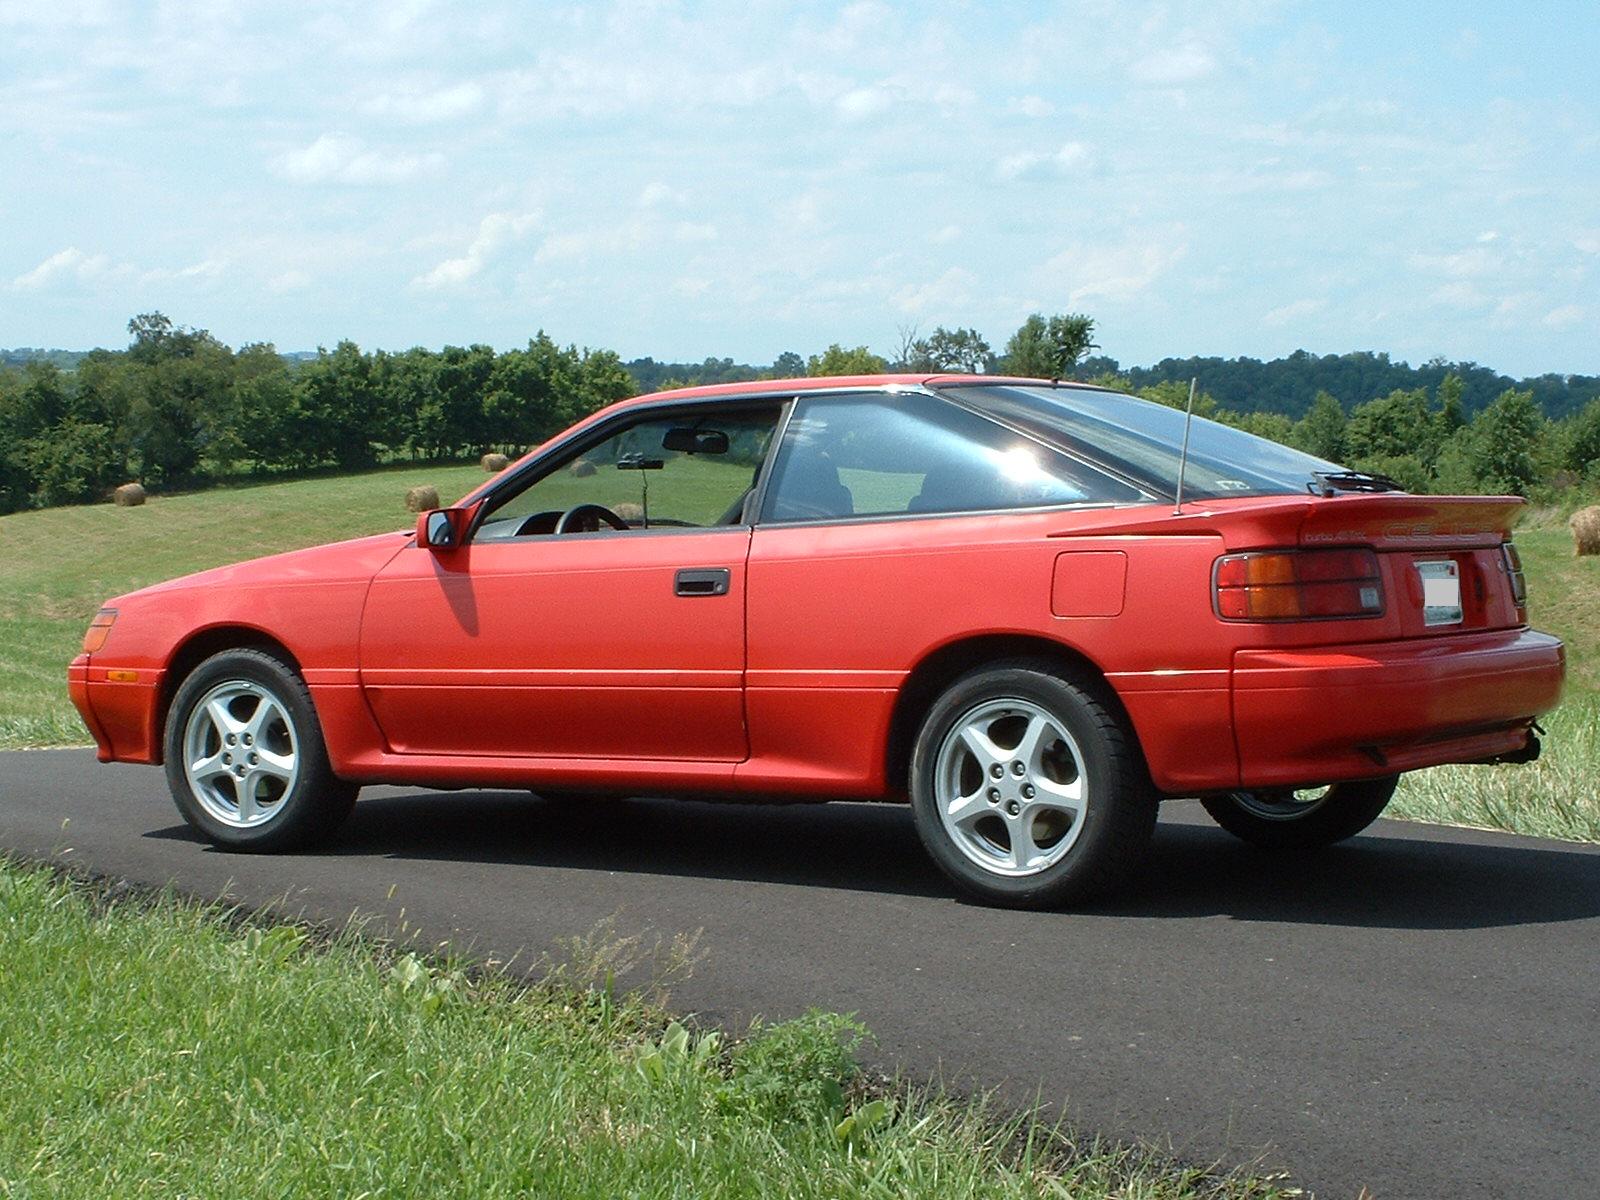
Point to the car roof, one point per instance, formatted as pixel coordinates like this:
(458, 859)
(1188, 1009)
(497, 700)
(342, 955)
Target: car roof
(828, 383)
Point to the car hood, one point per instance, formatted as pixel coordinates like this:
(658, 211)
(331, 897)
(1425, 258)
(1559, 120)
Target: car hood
(336, 562)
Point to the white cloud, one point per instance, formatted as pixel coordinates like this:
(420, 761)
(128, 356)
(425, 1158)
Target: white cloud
(946, 235)
(70, 263)
(948, 295)
(495, 232)
(1115, 272)
(1460, 294)
(1293, 311)
(1074, 156)
(429, 107)
(1030, 106)
(1472, 263)
(1175, 66)
(860, 103)
(1565, 317)
(289, 281)
(335, 158)
(1588, 241)
(657, 194)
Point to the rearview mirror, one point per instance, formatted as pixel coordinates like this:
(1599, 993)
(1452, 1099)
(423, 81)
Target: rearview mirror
(441, 528)
(687, 440)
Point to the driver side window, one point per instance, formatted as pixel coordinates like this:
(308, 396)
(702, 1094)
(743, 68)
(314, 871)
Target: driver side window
(684, 470)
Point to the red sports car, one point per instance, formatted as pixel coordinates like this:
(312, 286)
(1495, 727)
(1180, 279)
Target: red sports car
(992, 597)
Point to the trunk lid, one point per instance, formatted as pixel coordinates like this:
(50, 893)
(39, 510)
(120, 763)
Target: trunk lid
(1445, 566)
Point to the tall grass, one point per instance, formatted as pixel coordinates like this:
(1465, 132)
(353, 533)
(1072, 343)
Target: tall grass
(153, 1048)
(1558, 796)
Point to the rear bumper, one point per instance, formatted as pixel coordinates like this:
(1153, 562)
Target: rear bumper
(1320, 715)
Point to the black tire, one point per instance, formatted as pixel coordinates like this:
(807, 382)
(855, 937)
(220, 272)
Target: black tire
(1290, 819)
(285, 809)
(1094, 848)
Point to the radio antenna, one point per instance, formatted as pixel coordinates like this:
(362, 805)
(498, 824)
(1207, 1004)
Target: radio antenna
(1183, 458)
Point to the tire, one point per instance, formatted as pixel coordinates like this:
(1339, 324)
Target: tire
(1075, 806)
(1304, 818)
(276, 752)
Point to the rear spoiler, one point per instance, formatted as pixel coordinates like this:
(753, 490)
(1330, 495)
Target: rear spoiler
(1383, 520)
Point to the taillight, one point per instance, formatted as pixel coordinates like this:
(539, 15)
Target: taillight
(99, 630)
(1297, 585)
(1519, 581)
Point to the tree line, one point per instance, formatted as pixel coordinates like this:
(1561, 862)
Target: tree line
(177, 407)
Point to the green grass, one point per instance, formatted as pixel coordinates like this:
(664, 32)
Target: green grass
(154, 1048)
(58, 565)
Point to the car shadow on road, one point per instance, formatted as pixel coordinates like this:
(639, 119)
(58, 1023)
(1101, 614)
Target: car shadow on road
(1395, 876)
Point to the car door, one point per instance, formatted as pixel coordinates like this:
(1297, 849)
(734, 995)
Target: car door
(602, 644)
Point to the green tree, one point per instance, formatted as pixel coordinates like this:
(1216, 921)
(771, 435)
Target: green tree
(1504, 443)
(836, 360)
(1391, 427)
(1321, 430)
(788, 365)
(1452, 414)
(1049, 348)
(963, 350)
(1580, 442)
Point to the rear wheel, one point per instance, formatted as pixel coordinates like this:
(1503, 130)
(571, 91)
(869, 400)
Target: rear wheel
(1027, 789)
(1302, 818)
(245, 760)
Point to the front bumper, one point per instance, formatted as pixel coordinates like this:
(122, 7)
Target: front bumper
(1304, 716)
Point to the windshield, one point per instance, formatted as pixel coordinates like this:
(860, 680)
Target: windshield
(1144, 440)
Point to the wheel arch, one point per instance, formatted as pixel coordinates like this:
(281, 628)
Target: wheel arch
(194, 650)
(942, 666)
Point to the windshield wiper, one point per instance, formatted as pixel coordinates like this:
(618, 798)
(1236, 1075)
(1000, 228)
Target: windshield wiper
(1326, 483)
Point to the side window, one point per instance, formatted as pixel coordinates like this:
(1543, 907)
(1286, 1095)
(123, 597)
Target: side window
(665, 471)
(875, 456)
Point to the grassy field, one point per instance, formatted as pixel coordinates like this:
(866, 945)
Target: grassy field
(169, 1052)
(58, 565)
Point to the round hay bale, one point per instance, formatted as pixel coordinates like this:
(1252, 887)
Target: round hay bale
(583, 468)
(494, 463)
(630, 513)
(1585, 525)
(422, 498)
(129, 495)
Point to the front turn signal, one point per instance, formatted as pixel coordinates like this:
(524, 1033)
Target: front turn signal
(99, 630)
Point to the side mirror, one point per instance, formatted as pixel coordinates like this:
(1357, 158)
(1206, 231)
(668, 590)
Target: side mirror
(441, 528)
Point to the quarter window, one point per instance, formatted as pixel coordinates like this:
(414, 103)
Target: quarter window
(876, 456)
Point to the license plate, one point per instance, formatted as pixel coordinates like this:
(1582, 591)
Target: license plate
(1441, 592)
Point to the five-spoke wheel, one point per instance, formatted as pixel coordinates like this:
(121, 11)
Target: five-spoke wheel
(245, 758)
(1027, 787)
(240, 754)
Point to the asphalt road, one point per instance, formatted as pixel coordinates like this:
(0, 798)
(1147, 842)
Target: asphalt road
(1416, 1012)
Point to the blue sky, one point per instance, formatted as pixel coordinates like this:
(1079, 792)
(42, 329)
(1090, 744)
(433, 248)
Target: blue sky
(681, 180)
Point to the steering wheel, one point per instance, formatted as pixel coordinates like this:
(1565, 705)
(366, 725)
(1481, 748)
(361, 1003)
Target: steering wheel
(586, 518)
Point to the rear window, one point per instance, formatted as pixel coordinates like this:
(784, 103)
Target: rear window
(1144, 440)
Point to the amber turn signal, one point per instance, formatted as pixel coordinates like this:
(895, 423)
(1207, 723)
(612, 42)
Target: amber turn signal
(1297, 585)
(99, 630)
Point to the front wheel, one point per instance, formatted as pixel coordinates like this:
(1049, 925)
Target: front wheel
(1028, 789)
(245, 759)
(1303, 818)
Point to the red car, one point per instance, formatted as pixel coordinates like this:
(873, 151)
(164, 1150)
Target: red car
(982, 595)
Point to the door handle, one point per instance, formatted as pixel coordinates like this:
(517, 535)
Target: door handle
(703, 581)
